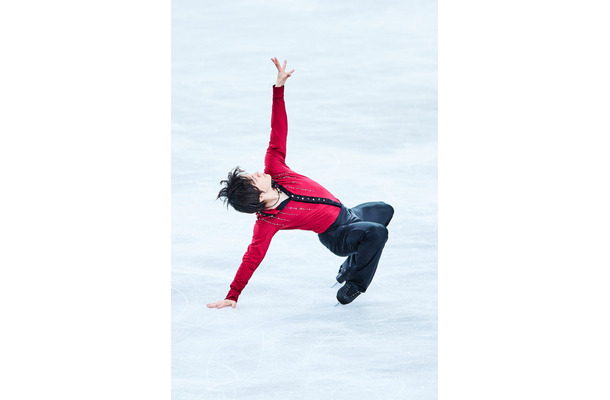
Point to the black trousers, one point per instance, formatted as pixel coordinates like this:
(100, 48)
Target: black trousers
(359, 233)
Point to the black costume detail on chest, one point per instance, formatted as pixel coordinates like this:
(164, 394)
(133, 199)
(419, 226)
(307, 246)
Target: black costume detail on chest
(304, 199)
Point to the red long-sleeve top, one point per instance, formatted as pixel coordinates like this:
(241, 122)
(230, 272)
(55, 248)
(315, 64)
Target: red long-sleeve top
(291, 214)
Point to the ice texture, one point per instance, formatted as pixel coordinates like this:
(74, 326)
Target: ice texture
(362, 121)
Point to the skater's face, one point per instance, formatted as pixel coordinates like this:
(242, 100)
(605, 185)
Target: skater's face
(261, 181)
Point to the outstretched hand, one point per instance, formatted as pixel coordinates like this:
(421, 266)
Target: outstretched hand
(282, 75)
(222, 303)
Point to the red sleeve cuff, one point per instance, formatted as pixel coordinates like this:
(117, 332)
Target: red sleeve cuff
(232, 295)
(278, 92)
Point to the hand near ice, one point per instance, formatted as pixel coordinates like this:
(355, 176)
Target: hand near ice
(222, 303)
(282, 75)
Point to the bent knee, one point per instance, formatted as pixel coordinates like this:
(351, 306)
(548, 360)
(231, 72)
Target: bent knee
(388, 212)
(378, 233)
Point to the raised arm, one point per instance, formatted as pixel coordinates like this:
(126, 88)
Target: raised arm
(275, 159)
(274, 162)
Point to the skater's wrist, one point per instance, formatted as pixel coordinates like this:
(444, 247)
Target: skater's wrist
(232, 295)
(278, 91)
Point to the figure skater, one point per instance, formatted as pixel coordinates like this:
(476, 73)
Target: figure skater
(283, 199)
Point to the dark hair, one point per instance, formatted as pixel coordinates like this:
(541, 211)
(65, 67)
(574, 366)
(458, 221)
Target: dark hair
(240, 193)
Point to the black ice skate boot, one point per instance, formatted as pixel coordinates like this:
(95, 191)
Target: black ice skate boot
(342, 273)
(347, 293)
(345, 268)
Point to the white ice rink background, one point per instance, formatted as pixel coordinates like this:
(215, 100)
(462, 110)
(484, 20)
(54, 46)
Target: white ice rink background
(523, 215)
(362, 115)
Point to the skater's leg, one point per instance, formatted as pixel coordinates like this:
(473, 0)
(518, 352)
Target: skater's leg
(369, 253)
(376, 211)
(348, 264)
(364, 240)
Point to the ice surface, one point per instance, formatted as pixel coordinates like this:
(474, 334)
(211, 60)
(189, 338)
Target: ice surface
(362, 112)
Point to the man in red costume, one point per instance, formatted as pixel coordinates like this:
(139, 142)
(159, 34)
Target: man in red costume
(284, 199)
